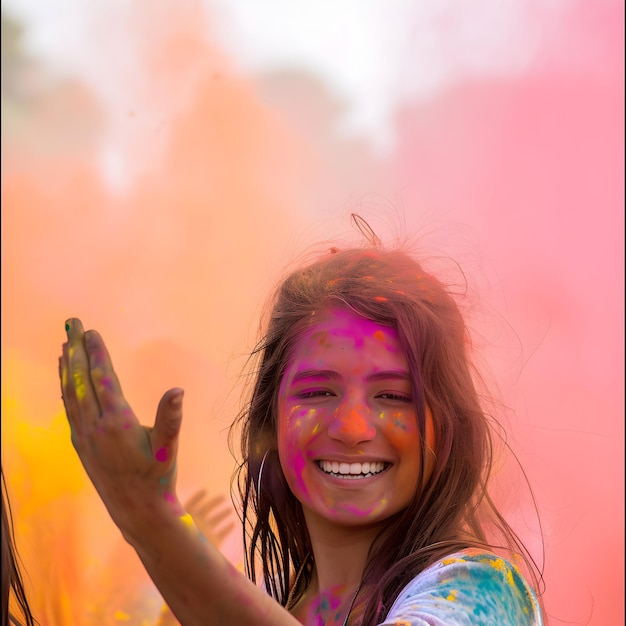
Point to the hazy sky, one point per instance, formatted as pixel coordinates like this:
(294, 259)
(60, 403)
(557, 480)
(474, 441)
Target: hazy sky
(360, 48)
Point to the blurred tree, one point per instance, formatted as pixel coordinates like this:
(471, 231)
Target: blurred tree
(43, 114)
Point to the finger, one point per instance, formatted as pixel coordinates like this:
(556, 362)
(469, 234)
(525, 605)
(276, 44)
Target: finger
(220, 535)
(63, 373)
(68, 393)
(195, 499)
(104, 380)
(200, 502)
(214, 506)
(69, 399)
(218, 517)
(78, 388)
(169, 416)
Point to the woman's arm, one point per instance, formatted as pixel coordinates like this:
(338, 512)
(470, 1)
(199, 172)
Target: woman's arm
(214, 519)
(133, 468)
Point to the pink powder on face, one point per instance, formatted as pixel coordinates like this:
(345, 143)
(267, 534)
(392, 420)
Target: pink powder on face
(298, 462)
(393, 349)
(374, 510)
(359, 342)
(161, 455)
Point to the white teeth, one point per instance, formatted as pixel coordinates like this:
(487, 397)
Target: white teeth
(351, 469)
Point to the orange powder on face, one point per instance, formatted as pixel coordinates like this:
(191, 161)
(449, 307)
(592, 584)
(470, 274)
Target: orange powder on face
(379, 335)
(355, 423)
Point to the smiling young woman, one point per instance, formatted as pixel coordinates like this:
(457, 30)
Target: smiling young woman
(365, 459)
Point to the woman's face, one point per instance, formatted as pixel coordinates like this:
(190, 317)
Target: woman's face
(347, 431)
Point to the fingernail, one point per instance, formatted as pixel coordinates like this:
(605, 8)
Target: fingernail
(67, 326)
(177, 400)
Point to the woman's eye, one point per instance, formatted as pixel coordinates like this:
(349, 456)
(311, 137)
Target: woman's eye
(401, 397)
(315, 393)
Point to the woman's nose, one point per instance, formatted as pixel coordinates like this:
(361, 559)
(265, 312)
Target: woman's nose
(352, 424)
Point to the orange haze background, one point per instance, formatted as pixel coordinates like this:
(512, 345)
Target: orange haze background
(163, 208)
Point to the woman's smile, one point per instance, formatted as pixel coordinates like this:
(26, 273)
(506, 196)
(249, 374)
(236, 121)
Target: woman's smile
(354, 470)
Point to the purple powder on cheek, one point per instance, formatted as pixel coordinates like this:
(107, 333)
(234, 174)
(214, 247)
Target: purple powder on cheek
(299, 463)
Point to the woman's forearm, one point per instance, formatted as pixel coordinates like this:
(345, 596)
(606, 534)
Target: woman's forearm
(198, 583)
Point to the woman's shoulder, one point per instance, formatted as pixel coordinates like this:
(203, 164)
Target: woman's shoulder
(467, 587)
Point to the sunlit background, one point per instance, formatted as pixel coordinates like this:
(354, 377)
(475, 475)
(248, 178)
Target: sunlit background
(162, 163)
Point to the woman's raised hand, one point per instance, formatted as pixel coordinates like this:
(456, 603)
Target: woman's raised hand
(133, 467)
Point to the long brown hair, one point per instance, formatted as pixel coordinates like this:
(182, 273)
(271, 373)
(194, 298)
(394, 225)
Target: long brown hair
(11, 574)
(452, 510)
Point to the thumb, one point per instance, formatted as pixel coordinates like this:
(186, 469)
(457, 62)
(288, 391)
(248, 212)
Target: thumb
(167, 424)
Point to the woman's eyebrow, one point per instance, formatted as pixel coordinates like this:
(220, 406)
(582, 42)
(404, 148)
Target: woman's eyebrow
(332, 375)
(315, 375)
(390, 375)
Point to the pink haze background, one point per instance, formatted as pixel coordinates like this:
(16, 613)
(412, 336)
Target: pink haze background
(227, 175)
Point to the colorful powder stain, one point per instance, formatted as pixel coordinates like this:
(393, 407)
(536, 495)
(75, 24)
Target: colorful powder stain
(300, 462)
(355, 423)
(379, 335)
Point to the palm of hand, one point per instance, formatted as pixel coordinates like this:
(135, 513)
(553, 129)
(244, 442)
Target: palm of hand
(133, 467)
